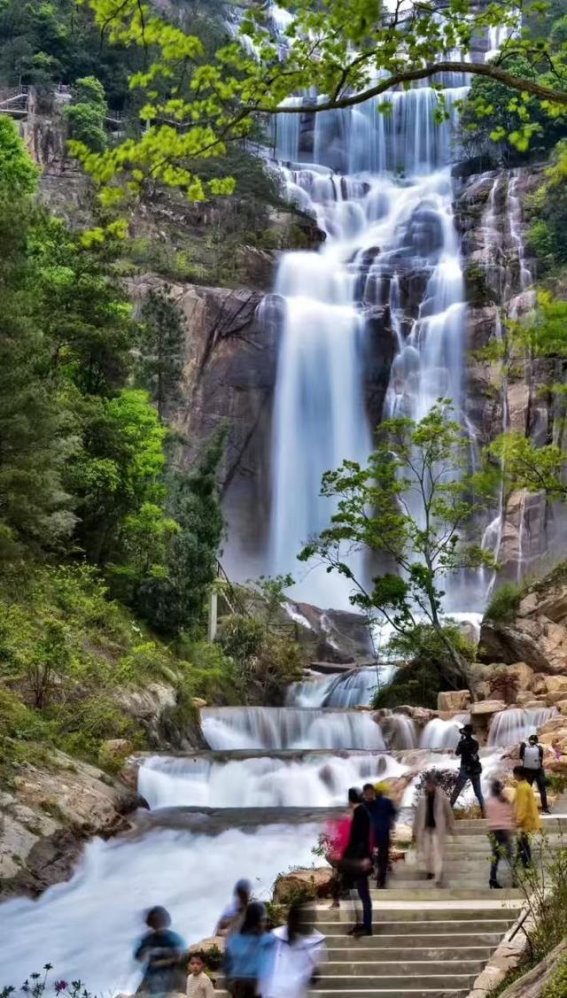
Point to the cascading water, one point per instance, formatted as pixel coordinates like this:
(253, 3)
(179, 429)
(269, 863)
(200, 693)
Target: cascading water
(314, 780)
(512, 726)
(380, 189)
(352, 689)
(286, 728)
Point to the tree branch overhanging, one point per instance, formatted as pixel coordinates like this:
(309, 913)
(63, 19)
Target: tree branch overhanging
(421, 73)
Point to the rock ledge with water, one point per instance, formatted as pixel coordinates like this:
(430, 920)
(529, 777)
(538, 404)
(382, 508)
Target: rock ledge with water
(46, 816)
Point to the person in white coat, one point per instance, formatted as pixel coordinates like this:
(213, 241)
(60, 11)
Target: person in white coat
(298, 954)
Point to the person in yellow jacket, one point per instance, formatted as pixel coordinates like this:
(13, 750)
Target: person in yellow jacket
(527, 815)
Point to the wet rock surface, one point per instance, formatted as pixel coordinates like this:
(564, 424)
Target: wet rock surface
(47, 815)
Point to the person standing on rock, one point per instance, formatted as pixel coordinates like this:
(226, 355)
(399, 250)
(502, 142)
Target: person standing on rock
(383, 818)
(528, 818)
(501, 824)
(356, 862)
(433, 820)
(471, 767)
(532, 761)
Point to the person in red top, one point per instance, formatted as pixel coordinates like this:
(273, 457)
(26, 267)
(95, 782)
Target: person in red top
(336, 835)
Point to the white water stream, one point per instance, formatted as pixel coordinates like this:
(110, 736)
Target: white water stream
(380, 189)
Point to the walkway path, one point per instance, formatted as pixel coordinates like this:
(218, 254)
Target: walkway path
(427, 942)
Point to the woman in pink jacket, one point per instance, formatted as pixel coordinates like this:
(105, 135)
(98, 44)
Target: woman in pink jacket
(501, 822)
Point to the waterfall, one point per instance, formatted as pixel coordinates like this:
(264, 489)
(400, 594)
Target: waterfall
(439, 735)
(286, 728)
(380, 189)
(510, 727)
(312, 781)
(351, 689)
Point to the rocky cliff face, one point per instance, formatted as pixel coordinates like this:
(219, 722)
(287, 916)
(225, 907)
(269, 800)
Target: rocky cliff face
(491, 218)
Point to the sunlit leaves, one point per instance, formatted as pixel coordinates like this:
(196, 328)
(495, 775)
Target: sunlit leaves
(195, 106)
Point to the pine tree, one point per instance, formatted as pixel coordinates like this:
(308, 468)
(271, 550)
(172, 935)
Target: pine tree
(35, 439)
(161, 349)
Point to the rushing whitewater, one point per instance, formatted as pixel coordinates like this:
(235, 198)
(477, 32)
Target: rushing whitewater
(286, 728)
(381, 192)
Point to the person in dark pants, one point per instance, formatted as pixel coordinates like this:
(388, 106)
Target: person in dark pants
(382, 817)
(471, 767)
(356, 863)
(501, 824)
(532, 761)
(528, 820)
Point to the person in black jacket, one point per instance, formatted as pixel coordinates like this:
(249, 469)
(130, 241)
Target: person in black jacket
(471, 767)
(356, 863)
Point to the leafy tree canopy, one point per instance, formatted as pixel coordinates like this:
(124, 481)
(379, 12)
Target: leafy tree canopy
(348, 50)
(411, 506)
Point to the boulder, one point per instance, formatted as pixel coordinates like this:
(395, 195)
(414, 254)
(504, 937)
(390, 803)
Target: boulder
(458, 700)
(316, 883)
(485, 708)
(47, 816)
(556, 684)
(539, 683)
(562, 706)
(198, 702)
(537, 641)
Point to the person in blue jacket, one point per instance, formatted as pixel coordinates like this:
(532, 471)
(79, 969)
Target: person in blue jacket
(161, 951)
(249, 954)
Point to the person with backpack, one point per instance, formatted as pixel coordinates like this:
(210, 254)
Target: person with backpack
(471, 767)
(532, 761)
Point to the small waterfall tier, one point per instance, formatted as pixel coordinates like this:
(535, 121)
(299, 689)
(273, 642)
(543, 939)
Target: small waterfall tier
(515, 725)
(288, 728)
(316, 780)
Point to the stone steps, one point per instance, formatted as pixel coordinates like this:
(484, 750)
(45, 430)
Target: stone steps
(429, 892)
(397, 983)
(405, 967)
(410, 991)
(433, 947)
(432, 942)
(359, 950)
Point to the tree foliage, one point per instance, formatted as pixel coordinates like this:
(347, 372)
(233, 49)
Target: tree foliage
(161, 346)
(87, 112)
(349, 52)
(411, 506)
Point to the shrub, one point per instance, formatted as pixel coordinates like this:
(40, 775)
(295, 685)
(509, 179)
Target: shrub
(504, 603)
(427, 668)
(557, 986)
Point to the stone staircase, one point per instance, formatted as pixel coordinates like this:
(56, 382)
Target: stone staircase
(428, 942)
(425, 950)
